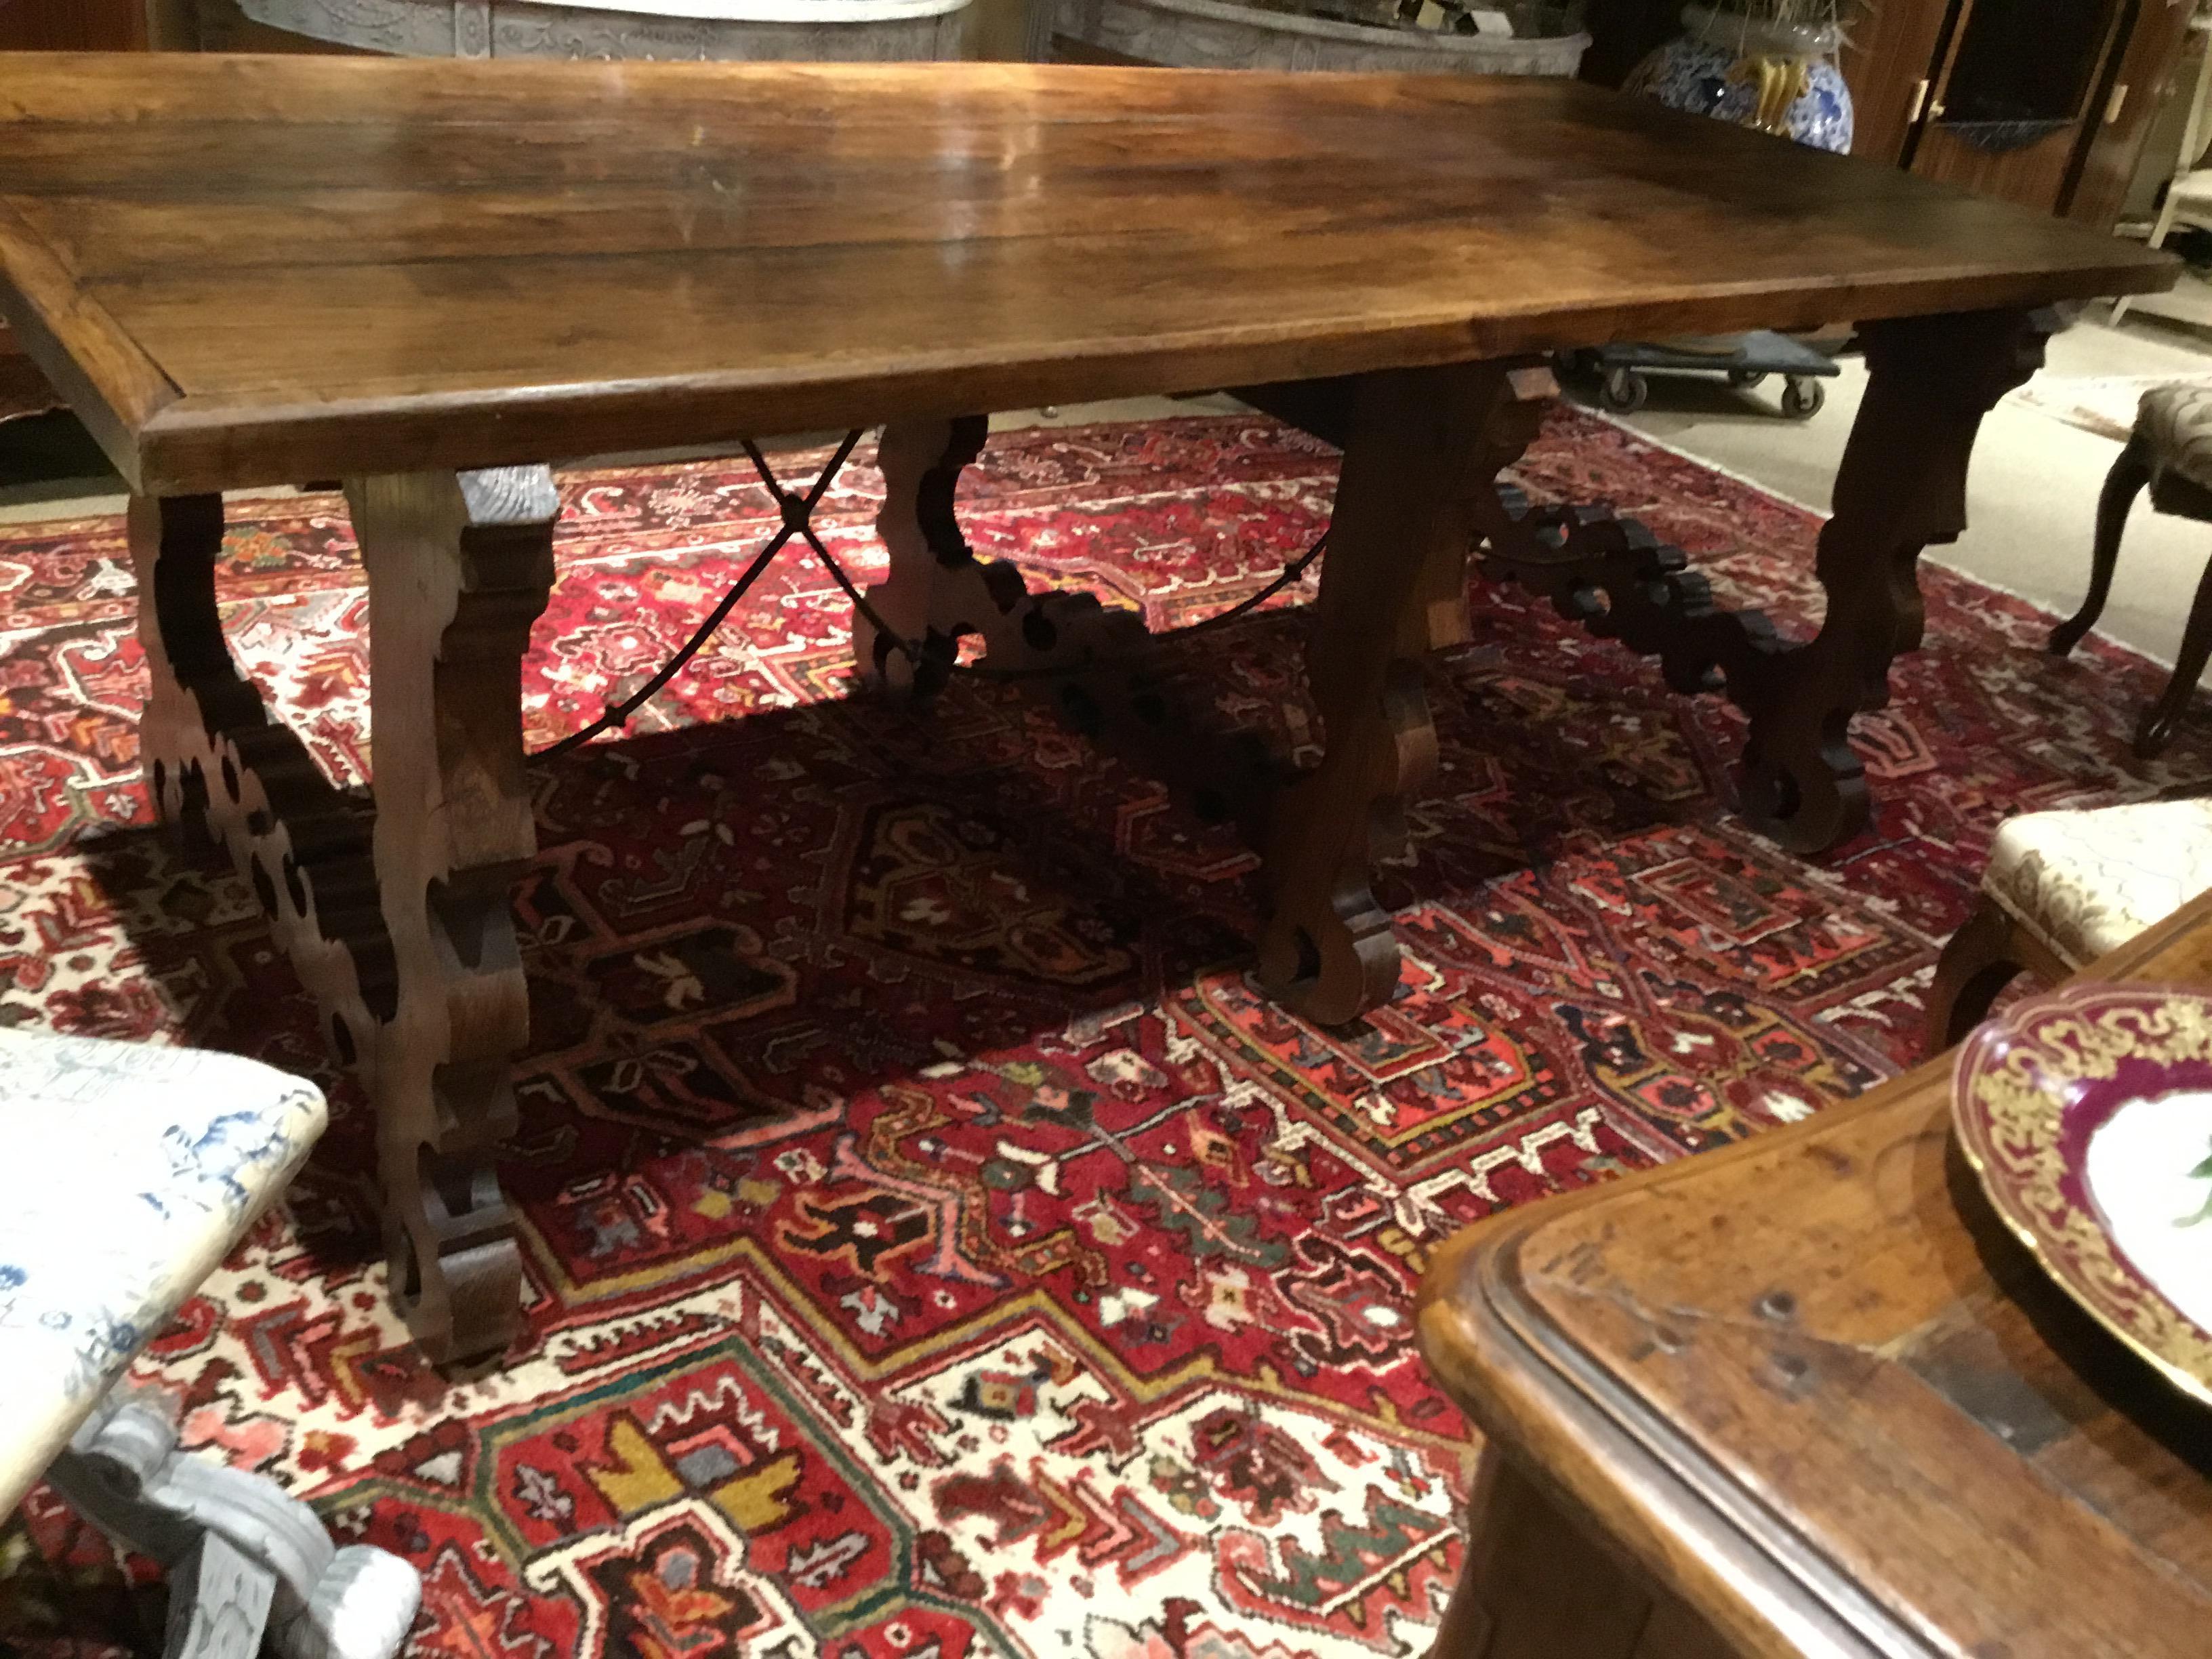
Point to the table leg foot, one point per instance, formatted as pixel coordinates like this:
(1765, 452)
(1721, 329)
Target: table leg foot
(1902, 487)
(460, 567)
(1421, 448)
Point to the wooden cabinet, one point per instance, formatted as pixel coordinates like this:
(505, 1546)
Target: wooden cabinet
(2019, 86)
(2147, 75)
(73, 26)
(1889, 63)
(2043, 102)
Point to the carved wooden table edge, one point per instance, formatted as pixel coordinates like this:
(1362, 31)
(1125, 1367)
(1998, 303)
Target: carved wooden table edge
(1614, 1472)
(1693, 1581)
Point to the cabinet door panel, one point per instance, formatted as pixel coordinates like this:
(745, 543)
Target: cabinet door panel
(2033, 175)
(73, 26)
(1890, 53)
(2148, 77)
(2012, 107)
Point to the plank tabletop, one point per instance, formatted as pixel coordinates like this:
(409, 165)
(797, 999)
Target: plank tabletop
(1822, 1392)
(265, 269)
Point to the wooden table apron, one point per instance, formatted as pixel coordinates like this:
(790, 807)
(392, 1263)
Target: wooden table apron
(194, 252)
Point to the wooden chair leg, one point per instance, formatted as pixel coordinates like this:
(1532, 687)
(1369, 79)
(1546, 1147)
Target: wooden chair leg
(2157, 727)
(250, 1569)
(1982, 958)
(2121, 485)
(219, 1598)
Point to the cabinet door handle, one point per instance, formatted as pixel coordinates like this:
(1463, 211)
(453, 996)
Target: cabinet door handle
(2116, 103)
(1919, 101)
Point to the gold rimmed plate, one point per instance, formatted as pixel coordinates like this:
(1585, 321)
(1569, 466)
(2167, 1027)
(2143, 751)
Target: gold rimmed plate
(2087, 1115)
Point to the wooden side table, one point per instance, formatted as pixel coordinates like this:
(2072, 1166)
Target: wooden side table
(871, 31)
(1807, 1396)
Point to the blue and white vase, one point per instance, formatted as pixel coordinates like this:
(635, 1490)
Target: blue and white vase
(1779, 78)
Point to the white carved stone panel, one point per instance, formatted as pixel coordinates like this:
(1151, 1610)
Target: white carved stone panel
(878, 31)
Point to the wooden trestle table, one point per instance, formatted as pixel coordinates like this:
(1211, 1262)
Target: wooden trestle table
(430, 277)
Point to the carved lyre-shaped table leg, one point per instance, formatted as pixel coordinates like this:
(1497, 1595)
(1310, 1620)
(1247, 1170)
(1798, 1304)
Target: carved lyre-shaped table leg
(396, 919)
(1902, 486)
(1091, 657)
(937, 589)
(219, 763)
(1421, 448)
(459, 569)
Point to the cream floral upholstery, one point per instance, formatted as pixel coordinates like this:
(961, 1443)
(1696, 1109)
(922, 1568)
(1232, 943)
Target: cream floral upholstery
(2084, 882)
(126, 1174)
(2175, 422)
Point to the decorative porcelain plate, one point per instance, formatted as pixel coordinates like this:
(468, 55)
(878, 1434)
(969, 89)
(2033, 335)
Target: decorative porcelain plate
(2087, 1114)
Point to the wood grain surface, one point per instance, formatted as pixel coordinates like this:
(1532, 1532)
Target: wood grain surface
(1810, 1387)
(251, 269)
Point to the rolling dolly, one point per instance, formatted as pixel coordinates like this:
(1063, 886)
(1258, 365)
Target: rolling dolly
(1745, 360)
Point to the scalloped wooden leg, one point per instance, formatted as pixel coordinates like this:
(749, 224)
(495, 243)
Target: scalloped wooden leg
(937, 589)
(1103, 681)
(1421, 445)
(458, 568)
(220, 764)
(396, 919)
(1902, 486)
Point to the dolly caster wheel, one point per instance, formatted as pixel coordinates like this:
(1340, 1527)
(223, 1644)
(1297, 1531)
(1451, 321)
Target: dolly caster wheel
(1802, 398)
(1624, 391)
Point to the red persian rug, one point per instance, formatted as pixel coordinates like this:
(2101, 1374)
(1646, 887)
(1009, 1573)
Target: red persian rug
(935, 1244)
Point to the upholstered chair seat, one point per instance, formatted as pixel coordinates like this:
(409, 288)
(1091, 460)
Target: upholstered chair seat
(2062, 889)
